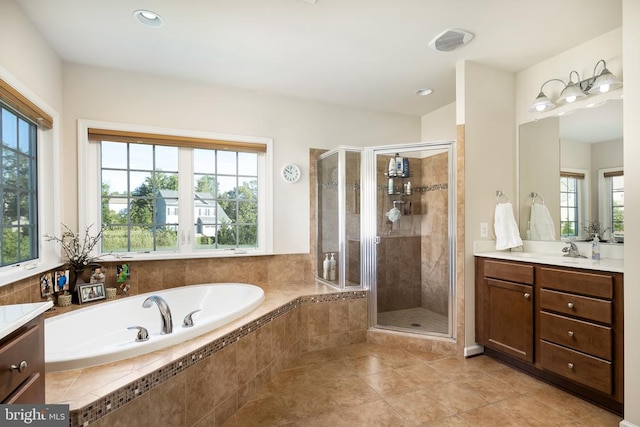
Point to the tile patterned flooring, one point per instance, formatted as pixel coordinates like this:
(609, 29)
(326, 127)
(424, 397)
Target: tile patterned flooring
(372, 385)
(429, 321)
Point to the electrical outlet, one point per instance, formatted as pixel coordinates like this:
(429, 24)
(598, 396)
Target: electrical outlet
(484, 229)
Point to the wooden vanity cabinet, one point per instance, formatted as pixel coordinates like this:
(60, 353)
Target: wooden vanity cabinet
(507, 308)
(22, 364)
(563, 325)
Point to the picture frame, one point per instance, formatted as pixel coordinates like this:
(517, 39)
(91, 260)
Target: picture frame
(90, 292)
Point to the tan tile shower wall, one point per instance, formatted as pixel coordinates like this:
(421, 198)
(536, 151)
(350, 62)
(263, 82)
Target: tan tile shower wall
(398, 273)
(435, 256)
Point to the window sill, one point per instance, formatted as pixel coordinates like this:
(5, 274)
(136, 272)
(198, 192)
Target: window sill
(154, 256)
(25, 271)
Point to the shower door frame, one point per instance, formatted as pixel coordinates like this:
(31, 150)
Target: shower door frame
(370, 238)
(341, 152)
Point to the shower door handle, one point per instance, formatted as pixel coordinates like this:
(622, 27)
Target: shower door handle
(376, 240)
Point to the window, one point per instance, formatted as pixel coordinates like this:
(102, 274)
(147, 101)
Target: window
(617, 204)
(568, 205)
(163, 194)
(18, 188)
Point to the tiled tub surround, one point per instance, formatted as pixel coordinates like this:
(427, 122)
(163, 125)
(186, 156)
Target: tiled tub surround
(211, 376)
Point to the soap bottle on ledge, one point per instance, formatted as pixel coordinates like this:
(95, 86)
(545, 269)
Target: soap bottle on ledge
(332, 268)
(325, 267)
(595, 248)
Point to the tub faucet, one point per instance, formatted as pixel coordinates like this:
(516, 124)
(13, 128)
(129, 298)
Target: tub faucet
(165, 312)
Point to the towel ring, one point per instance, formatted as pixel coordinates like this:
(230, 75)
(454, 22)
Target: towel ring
(501, 194)
(535, 195)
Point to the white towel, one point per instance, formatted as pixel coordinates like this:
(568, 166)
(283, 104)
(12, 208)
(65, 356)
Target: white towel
(540, 223)
(507, 234)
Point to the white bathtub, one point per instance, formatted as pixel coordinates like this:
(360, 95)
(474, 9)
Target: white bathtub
(98, 334)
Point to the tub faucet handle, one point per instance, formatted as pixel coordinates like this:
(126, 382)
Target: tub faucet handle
(188, 321)
(143, 334)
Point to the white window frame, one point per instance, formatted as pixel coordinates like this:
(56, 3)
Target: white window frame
(89, 190)
(605, 188)
(584, 201)
(49, 194)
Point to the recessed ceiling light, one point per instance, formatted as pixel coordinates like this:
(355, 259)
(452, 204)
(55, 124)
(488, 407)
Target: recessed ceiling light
(148, 18)
(424, 92)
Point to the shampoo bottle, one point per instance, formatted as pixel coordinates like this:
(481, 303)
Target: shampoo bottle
(392, 167)
(332, 268)
(390, 189)
(595, 248)
(405, 167)
(325, 267)
(399, 165)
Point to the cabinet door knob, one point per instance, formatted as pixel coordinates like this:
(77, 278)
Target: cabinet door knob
(21, 367)
(570, 304)
(570, 365)
(570, 333)
(527, 295)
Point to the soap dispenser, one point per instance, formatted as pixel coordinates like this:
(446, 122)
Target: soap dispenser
(595, 248)
(325, 267)
(332, 268)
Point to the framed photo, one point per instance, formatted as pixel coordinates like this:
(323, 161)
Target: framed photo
(61, 281)
(90, 292)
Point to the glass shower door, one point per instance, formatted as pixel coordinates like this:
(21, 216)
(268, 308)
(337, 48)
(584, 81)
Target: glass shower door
(338, 217)
(412, 221)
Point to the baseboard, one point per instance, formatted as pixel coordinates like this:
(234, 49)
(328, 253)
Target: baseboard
(624, 423)
(474, 350)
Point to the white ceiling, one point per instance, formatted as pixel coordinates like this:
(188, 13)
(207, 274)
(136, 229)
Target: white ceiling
(363, 53)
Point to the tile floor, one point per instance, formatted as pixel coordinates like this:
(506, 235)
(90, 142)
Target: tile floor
(372, 385)
(415, 318)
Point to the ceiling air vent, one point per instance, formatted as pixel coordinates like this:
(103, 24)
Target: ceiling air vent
(450, 39)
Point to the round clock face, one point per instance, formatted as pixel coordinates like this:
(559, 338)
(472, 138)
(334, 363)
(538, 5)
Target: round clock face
(291, 173)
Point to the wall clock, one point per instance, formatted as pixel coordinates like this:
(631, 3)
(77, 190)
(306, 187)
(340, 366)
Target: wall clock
(291, 173)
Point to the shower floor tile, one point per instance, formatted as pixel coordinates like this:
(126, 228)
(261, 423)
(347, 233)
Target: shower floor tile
(419, 318)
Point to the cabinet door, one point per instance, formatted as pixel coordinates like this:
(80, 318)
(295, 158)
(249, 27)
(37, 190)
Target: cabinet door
(508, 310)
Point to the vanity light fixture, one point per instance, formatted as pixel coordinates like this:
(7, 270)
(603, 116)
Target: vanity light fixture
(605, 81)
(148, 18)
(581, 89)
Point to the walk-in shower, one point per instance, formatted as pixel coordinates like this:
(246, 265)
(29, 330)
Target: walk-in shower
(395, 232)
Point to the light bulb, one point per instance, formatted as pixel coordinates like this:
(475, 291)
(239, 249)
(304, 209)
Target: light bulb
(540, 107)
(571, 98)
(604, 88)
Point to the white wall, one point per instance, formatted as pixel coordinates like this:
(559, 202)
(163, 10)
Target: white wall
(631, 47)
(295, 125)
(484, 98)
(27, 56)
(439, 125)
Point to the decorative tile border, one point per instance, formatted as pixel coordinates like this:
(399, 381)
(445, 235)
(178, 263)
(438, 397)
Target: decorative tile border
(117, 399)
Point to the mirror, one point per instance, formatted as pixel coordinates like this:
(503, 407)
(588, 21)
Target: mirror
(571, 177)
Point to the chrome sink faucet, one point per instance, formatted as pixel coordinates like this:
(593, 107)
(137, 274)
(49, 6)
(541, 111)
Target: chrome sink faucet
(572, 251)
(165, 312)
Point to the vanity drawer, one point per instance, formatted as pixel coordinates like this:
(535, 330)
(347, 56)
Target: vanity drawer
(590, 284)
(575, 305)
(577, 334)
(576, 366)
(510, 271)
(18, 349)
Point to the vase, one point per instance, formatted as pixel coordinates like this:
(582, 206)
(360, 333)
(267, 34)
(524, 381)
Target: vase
(75, 277)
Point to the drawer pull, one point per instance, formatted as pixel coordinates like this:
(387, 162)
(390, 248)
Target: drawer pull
(570, 365)
(527, 295)
(21, 367)
(570, 304)
(570, 333)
